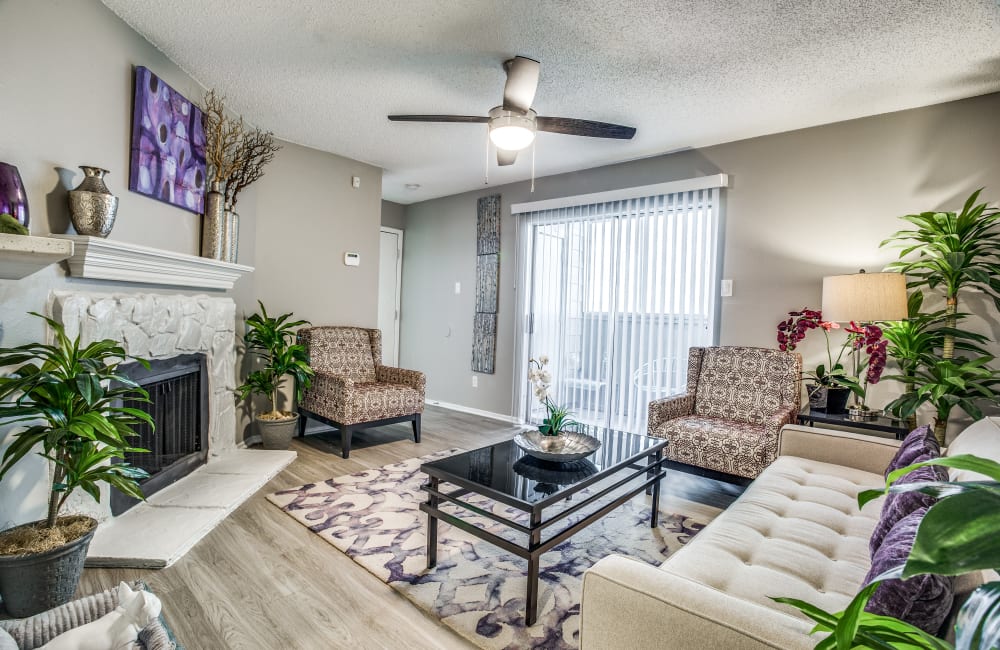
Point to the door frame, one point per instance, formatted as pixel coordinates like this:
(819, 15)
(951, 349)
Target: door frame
(399, 284)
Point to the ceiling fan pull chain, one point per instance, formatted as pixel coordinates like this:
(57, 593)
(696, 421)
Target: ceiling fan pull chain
(486, 168)
(533, 167)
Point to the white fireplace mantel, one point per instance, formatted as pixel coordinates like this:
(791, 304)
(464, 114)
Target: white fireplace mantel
(105, 259)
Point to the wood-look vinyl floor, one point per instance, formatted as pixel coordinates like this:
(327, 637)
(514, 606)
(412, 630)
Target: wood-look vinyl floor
(262, 581)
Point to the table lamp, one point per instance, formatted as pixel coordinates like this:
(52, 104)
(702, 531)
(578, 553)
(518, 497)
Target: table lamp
(864, 298)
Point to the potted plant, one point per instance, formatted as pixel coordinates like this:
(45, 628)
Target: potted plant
(273, 341)
(557, 418)
(948, 252)
(832, 385)
(70, 400)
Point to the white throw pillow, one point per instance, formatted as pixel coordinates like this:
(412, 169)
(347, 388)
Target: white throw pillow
(116, 630)
(981, 438)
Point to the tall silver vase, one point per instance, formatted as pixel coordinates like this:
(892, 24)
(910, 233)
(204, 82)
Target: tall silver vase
(92, 207)
(232, 232)
(213, 227)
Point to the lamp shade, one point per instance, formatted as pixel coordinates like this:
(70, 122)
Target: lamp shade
(864, 297)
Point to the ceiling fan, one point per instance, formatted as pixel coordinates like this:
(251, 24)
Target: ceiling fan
(513, 124)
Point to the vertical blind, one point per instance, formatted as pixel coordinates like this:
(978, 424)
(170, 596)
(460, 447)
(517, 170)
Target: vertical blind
(614, 293)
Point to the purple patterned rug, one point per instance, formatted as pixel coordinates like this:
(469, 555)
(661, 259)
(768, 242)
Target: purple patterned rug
(476, 588)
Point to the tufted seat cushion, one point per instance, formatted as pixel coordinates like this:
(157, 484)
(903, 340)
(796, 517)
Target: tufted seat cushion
(797, 531)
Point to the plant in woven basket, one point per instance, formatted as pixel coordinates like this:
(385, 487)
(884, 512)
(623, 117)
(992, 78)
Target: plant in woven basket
(69, 402)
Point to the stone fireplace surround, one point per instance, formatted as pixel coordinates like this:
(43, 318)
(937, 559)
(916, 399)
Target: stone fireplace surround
(158, 326)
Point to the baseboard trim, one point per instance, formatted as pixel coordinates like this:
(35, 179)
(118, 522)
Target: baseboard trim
(510, 419)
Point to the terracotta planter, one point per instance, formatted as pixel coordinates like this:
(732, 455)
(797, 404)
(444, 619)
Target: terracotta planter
(35, 583)
(278, 434)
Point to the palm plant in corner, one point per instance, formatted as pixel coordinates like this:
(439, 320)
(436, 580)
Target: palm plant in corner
(272, 339)
(948, 253)
(70, 404)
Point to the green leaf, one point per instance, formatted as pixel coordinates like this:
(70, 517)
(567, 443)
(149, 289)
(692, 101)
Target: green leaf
(978, 622)
(958, 535)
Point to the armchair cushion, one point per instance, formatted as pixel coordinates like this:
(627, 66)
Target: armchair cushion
(746, 384)
(722, 445)
(343, 351)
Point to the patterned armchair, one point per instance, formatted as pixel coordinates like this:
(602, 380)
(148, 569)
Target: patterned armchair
(352, 389)
(728, 421)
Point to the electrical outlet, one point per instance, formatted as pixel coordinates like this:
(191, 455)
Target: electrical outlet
(475, 381)
(726, 289)
(458, 288)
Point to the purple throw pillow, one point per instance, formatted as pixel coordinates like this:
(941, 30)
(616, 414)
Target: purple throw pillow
(925, 600)
(899, 504)
(920, 441)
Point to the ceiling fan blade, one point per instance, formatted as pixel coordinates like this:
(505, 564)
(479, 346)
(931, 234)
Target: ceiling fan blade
(570, 126)
(506, 157)
(522, 81)
(471, 119)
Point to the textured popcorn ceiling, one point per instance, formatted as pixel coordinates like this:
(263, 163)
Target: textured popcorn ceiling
(689, 73)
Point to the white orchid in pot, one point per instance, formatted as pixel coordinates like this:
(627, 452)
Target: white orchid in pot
(557, 418)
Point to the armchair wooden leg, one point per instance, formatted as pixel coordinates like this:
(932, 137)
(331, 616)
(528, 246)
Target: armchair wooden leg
(302, 424)
(345, 441)
(416, 428)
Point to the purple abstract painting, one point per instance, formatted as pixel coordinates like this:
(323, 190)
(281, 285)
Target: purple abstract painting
(168, 144)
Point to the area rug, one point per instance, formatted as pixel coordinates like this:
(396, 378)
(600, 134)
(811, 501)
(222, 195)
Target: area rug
(476, 588)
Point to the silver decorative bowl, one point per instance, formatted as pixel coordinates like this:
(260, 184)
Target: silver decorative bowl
(569, 445)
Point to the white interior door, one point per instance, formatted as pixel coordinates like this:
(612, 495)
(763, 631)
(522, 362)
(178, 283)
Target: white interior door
(390, 273)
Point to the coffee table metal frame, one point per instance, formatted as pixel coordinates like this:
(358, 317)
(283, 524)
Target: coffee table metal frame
(652, 470)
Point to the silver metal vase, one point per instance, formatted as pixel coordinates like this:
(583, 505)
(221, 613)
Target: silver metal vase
(232, 234)
(92, 207)
(213, 227)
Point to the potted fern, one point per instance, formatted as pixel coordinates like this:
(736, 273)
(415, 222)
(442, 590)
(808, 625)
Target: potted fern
(272, 339)
(69, 401)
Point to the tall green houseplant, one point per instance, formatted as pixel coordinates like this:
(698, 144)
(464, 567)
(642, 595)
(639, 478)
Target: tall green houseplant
(70, 399)
(946, 253)
(273, 340)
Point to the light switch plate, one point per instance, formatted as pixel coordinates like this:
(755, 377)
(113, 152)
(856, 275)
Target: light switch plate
(458, 288)
(726, 289)
(355, 182)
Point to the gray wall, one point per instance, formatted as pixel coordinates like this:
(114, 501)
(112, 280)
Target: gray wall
(67, 86)
(802, 205)
(393, 215)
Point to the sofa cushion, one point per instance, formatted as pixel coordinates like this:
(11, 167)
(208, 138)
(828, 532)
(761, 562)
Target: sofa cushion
(981, 438)
(920, 441)
(719, 444)
(923, 600)
(746, 384)
(796, 531)
(899, 504)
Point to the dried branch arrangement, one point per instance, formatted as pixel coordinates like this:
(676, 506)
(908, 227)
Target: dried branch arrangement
(235, 154)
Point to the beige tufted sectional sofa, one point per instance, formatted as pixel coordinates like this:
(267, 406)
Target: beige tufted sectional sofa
(796, 531)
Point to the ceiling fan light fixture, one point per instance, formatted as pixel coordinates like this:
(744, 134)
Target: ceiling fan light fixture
(510, 130)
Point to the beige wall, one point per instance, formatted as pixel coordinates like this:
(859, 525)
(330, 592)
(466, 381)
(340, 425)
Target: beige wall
(802, 205)
(393, 215)
(67, 84)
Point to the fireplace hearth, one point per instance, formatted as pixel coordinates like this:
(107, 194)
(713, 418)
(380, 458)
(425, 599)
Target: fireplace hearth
(178, 444)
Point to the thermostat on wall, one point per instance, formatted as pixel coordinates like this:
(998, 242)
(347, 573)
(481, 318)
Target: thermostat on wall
(352, 259)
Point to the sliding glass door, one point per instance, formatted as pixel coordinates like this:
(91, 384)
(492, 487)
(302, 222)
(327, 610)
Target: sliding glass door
(614, 294)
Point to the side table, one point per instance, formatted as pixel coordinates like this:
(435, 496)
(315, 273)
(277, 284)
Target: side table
(898, 428)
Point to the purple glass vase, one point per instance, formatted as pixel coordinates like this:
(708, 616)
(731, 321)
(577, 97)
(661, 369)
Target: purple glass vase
(13, 200)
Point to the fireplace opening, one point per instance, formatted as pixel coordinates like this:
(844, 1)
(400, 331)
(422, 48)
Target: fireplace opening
(178, 393)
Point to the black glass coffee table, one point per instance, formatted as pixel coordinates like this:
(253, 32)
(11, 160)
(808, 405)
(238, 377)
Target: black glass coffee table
(628, 463)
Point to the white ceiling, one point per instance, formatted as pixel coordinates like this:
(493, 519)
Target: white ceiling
(686, 73)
